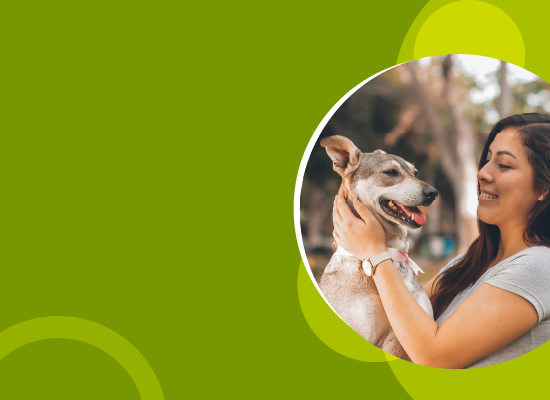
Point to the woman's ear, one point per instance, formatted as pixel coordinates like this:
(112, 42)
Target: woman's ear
(344, 154)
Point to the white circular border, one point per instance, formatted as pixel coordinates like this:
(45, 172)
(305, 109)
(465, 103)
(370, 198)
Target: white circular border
(302, 169)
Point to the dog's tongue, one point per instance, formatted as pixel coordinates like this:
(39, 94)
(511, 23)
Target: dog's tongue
(419, 216)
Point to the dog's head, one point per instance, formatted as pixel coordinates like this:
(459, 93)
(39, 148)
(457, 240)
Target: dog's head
(385, 183)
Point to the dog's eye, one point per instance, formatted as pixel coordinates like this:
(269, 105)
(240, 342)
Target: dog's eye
(391, 172)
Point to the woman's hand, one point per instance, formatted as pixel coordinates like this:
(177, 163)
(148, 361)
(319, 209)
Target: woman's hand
(364, 238)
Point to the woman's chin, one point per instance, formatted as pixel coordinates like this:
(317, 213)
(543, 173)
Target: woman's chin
(484, 217)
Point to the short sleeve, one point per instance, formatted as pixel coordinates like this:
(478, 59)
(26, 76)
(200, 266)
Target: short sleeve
(528, 276)
(452, 262)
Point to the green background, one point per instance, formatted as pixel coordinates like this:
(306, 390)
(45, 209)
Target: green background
(149, 154)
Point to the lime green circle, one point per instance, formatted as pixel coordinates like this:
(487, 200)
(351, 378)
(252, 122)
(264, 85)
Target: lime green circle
(89, 332)
(328, 326)
(521, 377)
(471, 27)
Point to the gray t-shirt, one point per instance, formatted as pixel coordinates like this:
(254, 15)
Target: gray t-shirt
(527, 274)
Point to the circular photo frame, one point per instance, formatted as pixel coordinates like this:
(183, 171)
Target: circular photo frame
(431, 118)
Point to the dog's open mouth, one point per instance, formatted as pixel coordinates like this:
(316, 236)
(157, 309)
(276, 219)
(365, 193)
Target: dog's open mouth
(409, 214)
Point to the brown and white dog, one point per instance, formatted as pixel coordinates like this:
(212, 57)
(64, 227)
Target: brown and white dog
(388, 187)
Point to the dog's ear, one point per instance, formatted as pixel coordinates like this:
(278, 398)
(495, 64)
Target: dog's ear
(345, 156)
(379, 151)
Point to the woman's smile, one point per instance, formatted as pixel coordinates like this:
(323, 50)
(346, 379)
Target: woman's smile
(487, 197)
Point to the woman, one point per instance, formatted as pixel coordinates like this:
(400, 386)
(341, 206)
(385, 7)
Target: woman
(492, 303)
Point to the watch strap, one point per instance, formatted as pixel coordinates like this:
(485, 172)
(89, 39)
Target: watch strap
(377, 259)
(370, 264)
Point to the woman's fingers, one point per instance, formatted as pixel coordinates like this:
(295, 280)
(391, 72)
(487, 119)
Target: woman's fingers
(362, 210)
(336, 237)
(336, 216)
(345, 212)
(336, 224)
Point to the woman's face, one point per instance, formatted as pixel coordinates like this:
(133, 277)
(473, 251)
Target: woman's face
(509, 176)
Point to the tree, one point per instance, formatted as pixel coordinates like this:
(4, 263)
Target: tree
(456, 146)
(504, 101)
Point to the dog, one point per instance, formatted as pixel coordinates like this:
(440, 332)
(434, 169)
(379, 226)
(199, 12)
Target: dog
(387, 185)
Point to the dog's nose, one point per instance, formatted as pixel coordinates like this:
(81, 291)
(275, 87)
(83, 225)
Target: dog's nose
(430, 192)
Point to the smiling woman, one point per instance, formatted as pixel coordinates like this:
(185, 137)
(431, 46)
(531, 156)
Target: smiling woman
(492, 303)
(511, 252)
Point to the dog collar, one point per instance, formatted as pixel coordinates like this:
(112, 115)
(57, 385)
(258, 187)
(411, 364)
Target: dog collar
(396, 255)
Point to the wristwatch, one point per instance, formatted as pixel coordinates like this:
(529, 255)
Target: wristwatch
(370, 264)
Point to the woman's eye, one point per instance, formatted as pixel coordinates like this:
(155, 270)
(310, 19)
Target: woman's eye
(500, 165)
(391, 172)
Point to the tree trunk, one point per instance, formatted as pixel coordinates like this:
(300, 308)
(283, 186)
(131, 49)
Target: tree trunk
(458, 160)
(504, 101)
(465, 186)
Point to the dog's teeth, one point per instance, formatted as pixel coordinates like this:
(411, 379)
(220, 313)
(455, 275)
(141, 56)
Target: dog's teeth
(391, 204)
(412, 217)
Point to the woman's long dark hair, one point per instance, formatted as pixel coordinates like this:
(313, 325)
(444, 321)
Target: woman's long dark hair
(534, 130)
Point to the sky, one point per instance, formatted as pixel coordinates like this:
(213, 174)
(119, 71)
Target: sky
(482, 70)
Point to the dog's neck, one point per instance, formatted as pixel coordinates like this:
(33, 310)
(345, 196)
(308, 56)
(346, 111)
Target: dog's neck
(396, 235)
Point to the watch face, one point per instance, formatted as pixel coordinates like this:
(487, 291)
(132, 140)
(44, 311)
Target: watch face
(367, 267)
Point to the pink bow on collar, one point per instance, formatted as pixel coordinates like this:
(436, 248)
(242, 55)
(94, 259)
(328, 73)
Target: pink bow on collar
(398, 255)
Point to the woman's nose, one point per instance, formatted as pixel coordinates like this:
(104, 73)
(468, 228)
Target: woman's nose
(485, 173)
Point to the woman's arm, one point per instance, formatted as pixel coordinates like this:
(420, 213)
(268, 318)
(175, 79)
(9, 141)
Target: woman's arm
(487, 320)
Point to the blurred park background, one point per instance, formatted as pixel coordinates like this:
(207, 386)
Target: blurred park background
(434, 112)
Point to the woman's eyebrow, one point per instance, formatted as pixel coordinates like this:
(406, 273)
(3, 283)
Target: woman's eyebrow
(503, 152)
